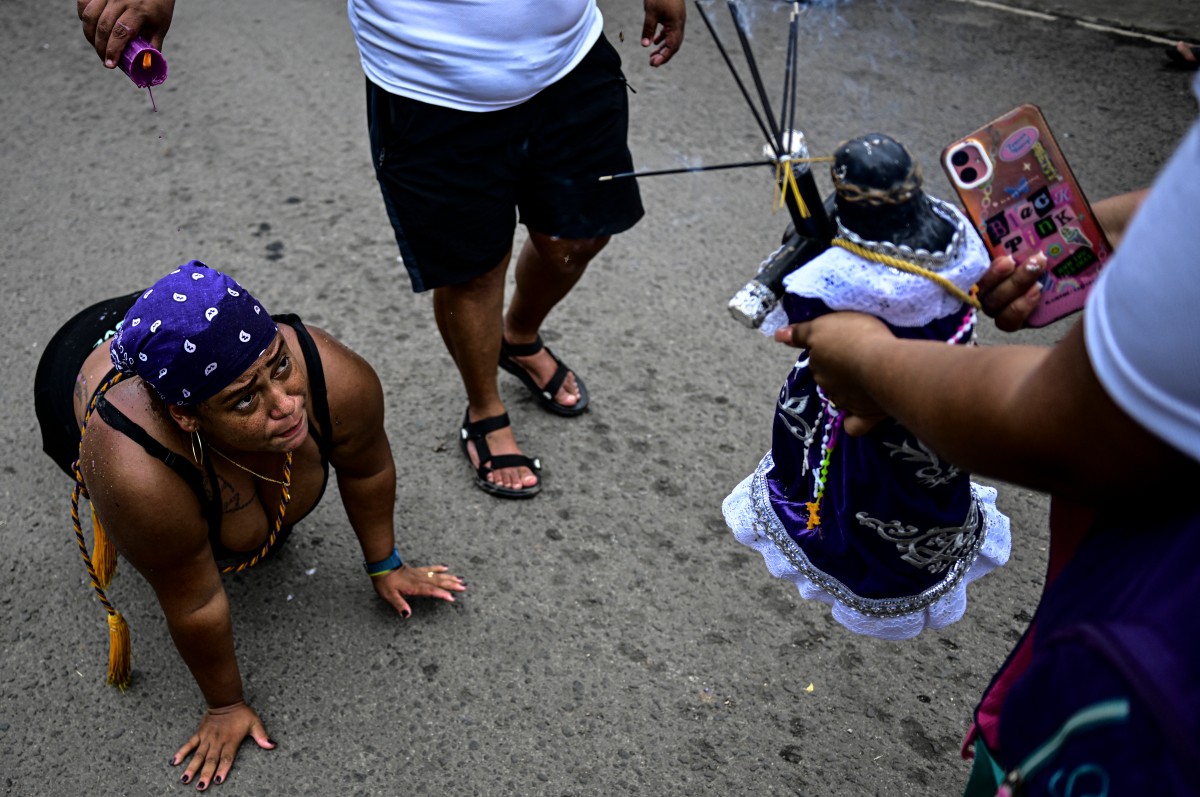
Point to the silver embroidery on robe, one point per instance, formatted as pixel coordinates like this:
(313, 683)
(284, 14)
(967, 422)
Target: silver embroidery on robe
(791, 409)
(767, 524)
(933, 550)
(932, 474)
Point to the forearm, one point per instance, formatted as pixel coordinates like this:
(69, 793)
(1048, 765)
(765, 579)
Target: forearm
(1031, 416)
(204, 639)
(960, 401)
(1115, 212)
(370, 502)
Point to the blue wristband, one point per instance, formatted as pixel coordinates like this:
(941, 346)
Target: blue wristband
(393, 562)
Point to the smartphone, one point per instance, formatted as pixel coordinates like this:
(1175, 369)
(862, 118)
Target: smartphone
(1018, 191)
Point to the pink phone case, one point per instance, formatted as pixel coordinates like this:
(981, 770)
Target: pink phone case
(1016, 187)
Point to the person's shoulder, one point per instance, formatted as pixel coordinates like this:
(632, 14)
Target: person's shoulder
(338, 360)
(141, 499)
(354, 393)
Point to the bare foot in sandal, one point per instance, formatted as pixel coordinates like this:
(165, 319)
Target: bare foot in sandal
(500, 468)
(552, 383)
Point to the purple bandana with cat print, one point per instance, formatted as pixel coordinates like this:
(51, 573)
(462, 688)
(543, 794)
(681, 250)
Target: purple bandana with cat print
(191, 334)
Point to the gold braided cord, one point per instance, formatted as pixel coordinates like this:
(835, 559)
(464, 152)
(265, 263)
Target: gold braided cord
(285, 495)
(911, 268)
(104, 553)
(119, 659)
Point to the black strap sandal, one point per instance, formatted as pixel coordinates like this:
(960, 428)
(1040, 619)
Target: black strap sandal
(546, 393)
(476, 433)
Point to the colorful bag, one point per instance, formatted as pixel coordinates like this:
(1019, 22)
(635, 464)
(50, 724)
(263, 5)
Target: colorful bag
(1110, 702)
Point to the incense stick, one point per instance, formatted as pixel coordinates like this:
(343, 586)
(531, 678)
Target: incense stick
(789, 68)
(795, 37)
(754, 73)
(686, 169)
(713, 168)
(737, 79)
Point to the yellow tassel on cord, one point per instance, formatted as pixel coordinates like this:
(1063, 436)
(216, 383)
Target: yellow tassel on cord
(777, 195)
(104, 553)
(119, 668)
(803, 208)
(785, 183)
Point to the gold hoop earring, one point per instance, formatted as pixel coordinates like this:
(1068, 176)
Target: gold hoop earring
(197, 446)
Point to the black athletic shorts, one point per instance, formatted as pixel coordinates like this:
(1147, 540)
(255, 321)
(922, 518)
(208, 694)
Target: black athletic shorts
(453, 181)
(55, 379)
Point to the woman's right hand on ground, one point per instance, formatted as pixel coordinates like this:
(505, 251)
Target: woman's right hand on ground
(110, 24)
(1009, 293)
(214, 745)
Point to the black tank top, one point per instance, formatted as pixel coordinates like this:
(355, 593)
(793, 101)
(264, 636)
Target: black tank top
(210, 499)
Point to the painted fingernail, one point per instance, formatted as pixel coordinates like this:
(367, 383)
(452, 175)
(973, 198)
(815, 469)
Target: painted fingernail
(201, 785)
(218, 779)
(271, 741)
(185, 778)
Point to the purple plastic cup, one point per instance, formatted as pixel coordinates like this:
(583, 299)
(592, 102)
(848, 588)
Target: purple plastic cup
(144, 65)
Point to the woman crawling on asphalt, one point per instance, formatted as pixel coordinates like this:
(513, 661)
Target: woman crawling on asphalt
(208, 429)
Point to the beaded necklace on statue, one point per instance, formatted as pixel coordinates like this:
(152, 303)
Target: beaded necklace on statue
(829, 436)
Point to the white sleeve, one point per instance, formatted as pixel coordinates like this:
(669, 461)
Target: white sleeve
(1142, 323)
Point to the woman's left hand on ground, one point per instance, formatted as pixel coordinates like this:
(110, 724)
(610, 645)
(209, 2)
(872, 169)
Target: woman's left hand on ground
(426, 581)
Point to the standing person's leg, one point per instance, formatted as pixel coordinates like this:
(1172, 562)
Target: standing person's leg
(469, 320)
(547, 270)
(449, 183)
(583, 123)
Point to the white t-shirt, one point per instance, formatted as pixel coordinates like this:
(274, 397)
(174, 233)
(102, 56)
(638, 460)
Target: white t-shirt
(473, 55)
(1142, 321)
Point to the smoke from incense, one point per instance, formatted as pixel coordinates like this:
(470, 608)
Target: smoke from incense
(737, 79)
(744, 38)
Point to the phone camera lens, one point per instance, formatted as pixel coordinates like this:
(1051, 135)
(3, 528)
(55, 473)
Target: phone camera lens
(960, 158)
(968, 174)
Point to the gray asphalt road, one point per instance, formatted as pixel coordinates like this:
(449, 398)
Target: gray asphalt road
(615, 638)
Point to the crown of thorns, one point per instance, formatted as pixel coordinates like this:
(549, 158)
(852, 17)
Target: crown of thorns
(896, 194)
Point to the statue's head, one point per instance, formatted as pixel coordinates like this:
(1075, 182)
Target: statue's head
(879, 196)
(875, 170)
